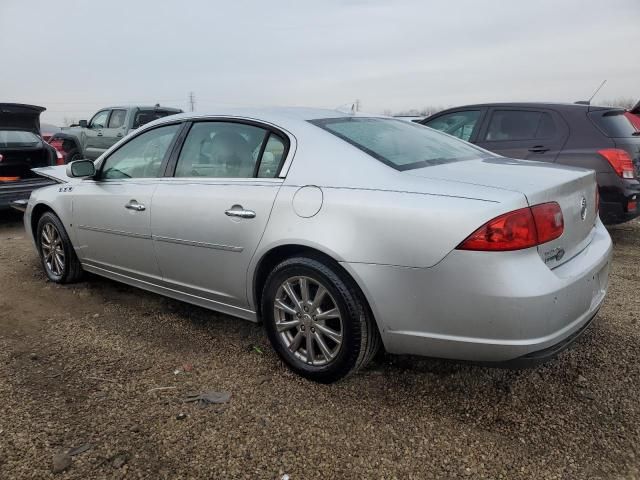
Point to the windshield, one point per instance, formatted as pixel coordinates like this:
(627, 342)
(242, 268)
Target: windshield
(401, 145)
(17, 138)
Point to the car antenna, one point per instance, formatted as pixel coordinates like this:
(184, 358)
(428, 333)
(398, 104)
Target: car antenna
(349, 108)
(588, 102)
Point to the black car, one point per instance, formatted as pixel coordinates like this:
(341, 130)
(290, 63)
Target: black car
(599, 138)
(21, 149)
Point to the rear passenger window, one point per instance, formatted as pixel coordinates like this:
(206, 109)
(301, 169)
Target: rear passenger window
(510, 125)
(272, 157)
(230, 150)
(458, 124)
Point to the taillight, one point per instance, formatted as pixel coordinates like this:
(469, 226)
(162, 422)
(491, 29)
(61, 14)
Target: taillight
(59, 158)
(549, 221)
(632, 205)
(620, 161)
(523, 228)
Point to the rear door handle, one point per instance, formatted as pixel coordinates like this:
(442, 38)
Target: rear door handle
(119, 135)
(239, 211)
(539, 149)
(134, 205)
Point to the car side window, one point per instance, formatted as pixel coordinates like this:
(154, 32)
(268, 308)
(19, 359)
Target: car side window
(510, 125)
(458, 124)
(142, 157)
(117, 118)
(272, 157)
(99, 120)
(229, 150)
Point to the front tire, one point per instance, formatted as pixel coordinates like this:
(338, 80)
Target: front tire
(57, 255)
(317, 320)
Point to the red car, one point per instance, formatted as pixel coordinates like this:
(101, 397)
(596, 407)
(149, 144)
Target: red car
(634, 116)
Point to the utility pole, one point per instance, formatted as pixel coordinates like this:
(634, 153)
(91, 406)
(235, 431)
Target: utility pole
(357, 105)
(192, 101)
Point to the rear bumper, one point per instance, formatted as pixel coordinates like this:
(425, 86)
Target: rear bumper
(487, 306)
(614, 200)
(20, 190)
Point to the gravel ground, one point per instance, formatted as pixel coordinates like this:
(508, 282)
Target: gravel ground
(78, 365)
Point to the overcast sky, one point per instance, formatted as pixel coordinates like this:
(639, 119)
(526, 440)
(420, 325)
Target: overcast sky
(76, 56)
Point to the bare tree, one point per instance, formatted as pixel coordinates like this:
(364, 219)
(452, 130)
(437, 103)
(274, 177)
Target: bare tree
(68, 121)
(422, 112)
(622, 102)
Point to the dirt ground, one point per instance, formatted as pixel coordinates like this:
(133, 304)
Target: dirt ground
(78, 365)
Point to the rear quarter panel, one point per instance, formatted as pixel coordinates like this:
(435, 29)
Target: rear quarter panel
(377, 226)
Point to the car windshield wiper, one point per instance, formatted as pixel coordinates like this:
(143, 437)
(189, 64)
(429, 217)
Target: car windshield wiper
(636, 133)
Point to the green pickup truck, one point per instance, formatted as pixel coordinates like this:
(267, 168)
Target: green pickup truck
(90, 139)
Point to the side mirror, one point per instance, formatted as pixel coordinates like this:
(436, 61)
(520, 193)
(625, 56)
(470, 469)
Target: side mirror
(81, 169)
(83, 123)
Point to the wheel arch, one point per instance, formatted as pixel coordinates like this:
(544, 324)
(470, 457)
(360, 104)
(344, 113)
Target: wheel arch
(70, 142)
(38, 210)
(278, 253)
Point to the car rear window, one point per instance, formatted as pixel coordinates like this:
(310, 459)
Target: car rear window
(18, 138)
(145, 116)
(613, 123)
(399, 144)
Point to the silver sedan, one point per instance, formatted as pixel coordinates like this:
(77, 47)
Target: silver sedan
(342, 233)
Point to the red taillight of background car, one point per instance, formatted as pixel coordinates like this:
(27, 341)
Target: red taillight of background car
(61, 155)
(523, 228)
(620, 161)
(632, 205)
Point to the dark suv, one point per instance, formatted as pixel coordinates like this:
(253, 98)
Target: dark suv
(600, 138)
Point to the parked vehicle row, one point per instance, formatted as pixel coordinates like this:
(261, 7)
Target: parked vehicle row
(90, 139)
(597, 138)
(341, 232)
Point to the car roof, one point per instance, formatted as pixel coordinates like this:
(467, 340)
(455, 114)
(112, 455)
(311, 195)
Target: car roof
(281, 116)
(551, 105)
(142, 107)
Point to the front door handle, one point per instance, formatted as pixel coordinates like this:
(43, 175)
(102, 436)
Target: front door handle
(239, 211)
(119, 135)
(99, 134)
(538, 149)
(134, 205)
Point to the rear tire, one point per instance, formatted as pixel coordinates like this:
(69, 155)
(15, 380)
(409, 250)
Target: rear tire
(73, 155)
(58, 258)
(317, 320)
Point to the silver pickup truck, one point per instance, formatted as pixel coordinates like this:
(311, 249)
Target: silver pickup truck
(89, 139)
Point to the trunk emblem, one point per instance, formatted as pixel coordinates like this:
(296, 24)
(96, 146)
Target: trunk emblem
(583, 208)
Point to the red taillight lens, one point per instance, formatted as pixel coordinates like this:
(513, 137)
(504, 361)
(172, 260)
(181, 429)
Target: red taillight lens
(523, 228)
(620, 161)
(511, 231)
(549, 221)
(632, 205)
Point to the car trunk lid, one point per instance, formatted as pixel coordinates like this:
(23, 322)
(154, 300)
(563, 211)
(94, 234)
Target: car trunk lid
(21, 147)
(16, 116)
(574, 189)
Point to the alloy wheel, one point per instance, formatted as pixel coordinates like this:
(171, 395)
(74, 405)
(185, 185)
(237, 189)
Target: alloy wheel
(308, 320)
(52, 249)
